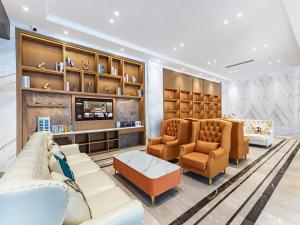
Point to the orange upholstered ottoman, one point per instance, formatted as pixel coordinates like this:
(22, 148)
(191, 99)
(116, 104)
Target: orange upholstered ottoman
(152, 175)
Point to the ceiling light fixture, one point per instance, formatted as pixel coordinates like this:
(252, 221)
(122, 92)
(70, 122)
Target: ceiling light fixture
(215, 61)
(116, 13)
(229, 72)
(265, 45)
(269, 63)
(254, 49)
(157, 61)
(183, 69)
(181, 44)
(25, 8)
(208, 63)
(111, 21)
(66, 32)
(240, 15)
(278, 61)
(226, 22)
(175, 48)
(236, 71)
(122, 49)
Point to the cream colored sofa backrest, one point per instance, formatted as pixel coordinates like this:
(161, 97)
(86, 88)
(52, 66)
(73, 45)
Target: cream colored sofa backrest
(27, 194)
(251, 125)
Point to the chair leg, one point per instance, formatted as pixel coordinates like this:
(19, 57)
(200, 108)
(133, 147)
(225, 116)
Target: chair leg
(182, 170)
(245, 157)
(209, 181)
(237, 161)
(224, 170)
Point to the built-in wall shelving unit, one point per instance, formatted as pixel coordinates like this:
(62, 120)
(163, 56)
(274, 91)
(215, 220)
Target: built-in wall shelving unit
(186, 96)
(92, 73)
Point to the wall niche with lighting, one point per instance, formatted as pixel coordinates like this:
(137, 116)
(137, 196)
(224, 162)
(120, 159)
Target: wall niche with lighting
(187, 96)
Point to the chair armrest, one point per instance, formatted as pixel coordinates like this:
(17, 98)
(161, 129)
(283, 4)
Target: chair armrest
(155, 141)
(172, 143)
(217, 153)
(130, 213)
(70, 149)
(246, 139)
(188, 148)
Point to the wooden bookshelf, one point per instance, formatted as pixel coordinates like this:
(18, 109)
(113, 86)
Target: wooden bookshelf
(186, 96)
(92, 73)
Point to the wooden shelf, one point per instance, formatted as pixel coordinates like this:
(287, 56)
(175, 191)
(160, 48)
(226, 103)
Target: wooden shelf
(172, 111)
(186, 110)
(50, 105)
(38, 70)
(80, 93)
(104, 75)
(133, 84)
(198, 111)
(170, 89)
(187, 101)
(171, 100)
(186, 91)
(197, 102)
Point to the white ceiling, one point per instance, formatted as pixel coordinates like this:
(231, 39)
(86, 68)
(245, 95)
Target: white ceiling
(151, 29)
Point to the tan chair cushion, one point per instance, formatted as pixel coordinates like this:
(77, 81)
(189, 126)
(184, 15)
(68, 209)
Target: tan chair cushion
(168, 138)
(196, 160)
(206, 147)
(156, 150)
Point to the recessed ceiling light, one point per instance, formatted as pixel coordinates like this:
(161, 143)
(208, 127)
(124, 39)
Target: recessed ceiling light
(25, 8)
(116, 13)
(278, 61)
(236, 71)
(208, 63)
(157, 61)
(226, 22)
(183, 68)
(215, 61)
(111, 20)
(265, 45)
(175, 48)
(254, 49)
(269, 63)
(66, 32)
(229, 72)
(240, 15)
(122, 49)
(181, 44)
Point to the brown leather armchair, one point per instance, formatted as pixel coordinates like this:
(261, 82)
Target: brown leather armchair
(239, 144)
(190, 127)
(173, 133)
(199, 156)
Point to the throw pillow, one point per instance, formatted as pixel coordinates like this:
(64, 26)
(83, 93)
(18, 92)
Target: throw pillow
(77, 210)
(168, 138)
(206, 147)
(60, 166)
(56, 150)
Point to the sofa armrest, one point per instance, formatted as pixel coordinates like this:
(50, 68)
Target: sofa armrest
(155, 141)
(172, 143)
(131, 213)
(188, 148)
(217, 153)
(70, 149)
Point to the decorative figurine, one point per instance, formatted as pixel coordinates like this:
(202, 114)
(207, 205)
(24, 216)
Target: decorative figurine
(75, 88)
(133, 79)
(41, 65)
(85, 65)
(89, 86)
(69, 62)
(47, 86)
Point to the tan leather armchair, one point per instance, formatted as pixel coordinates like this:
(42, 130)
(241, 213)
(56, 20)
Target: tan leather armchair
(204, 161)
(175, 129)
(239, 144)
(190, 127)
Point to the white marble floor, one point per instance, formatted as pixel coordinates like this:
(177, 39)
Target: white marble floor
(232, 196)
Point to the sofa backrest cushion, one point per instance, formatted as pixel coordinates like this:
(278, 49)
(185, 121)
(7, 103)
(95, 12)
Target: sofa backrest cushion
(206, 147)
(258, 127)
(77, 210)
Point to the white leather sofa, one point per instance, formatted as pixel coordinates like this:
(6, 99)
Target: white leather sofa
(259, 132)
(29, 196)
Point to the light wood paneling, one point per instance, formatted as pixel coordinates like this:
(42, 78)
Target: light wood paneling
(186, 83)
(171, 79)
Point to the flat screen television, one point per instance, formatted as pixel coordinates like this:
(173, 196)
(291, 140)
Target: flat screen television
(93, 109)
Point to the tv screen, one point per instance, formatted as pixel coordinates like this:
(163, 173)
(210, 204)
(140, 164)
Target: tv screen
(94, 109)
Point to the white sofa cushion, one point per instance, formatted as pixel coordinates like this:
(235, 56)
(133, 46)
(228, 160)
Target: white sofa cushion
(94, 183)
(83, 168)
(60, 166)
(77, 158)
(77, 210)
(105, 201)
